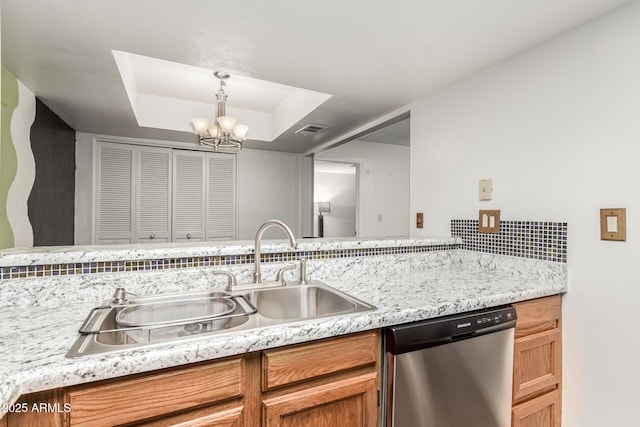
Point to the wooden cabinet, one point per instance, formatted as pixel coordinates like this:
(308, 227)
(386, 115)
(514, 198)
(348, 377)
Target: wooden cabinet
(333, 382)
(139, 398)
(329, 383)
(351, 402)
(537, 363)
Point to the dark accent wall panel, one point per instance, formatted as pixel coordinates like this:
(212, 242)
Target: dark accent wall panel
(51, 203)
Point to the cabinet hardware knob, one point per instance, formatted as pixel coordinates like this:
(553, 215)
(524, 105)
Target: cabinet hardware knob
(152, 236)
(188, 235)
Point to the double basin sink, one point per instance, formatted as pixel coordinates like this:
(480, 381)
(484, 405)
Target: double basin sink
(139, 321)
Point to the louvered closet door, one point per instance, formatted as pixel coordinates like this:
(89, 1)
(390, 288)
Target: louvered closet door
(153, 213)
(221, 197)
(188, 196)
(114, 196)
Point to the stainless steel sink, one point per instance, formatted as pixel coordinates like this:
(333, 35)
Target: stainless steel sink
(121, 324)
(301, 302)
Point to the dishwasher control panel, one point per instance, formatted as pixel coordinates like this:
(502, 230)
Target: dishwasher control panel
(443, 330)
(483, 320)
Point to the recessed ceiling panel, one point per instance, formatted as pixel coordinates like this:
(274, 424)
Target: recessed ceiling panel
(167, 95)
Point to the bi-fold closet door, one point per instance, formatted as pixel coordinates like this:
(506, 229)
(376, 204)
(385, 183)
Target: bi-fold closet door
(205, 196)
(157, 194)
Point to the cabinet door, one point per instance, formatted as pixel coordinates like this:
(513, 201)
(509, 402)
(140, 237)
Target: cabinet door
(153, 207)
(537, 363)
(114, 193)
(537, 359)
(351, 402)
(543, 411)
(221, 197)
(188, 196)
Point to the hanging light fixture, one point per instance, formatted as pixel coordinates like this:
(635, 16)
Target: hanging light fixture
(224, 134)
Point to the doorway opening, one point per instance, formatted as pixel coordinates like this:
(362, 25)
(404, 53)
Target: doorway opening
(335, 204)
(381, 155)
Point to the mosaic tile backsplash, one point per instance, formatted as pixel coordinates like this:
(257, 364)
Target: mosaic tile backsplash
(539, 240)
(49, 270)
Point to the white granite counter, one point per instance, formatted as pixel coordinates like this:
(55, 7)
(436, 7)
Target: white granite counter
(143, 251)
(42, 315)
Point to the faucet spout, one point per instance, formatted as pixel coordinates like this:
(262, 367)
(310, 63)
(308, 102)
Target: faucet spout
(257, 276)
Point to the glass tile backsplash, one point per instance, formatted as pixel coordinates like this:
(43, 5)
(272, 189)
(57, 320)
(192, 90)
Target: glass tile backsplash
(540, 240)
(19, 272)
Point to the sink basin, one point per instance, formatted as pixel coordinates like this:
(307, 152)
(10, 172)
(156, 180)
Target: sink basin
(168, 312)
(149, 320)
(300, 302)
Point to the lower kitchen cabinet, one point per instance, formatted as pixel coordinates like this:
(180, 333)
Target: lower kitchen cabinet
(347, 403)
(329, 382)
(537, 363)
(210, 393)
(150, 396)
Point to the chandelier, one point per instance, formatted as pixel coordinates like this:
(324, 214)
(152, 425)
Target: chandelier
(224, 134)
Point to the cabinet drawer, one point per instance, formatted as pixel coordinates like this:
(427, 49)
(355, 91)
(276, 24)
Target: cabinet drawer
(298, 363)
(148, 396)
(543, 411)
(538, 315)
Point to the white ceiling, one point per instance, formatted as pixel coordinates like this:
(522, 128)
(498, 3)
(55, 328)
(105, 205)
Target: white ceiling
(372, 56)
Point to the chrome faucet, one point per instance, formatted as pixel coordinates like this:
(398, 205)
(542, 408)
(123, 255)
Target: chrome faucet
(257, 276)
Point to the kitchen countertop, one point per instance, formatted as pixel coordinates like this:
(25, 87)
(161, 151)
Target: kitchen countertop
(34, 340)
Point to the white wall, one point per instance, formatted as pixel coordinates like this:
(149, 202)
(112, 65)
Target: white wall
(340, 190)
(558, 130)
(383, 185)
(269, 186)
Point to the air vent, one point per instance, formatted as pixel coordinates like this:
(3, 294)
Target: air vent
(311, 129)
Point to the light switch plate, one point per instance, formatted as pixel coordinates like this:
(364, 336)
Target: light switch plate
(613, 224)
(485, 189)
(489, 221)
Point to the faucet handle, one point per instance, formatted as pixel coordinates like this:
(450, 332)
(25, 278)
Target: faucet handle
(280, 273)
(231, 279)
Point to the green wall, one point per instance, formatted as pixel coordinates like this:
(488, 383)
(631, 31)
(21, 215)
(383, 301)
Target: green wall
(8, 158)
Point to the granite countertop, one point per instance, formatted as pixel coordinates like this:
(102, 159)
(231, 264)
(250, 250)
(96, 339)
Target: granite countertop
(92, 253)
(34, 340)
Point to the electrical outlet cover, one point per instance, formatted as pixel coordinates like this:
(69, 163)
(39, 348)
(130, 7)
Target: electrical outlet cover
(485, 189)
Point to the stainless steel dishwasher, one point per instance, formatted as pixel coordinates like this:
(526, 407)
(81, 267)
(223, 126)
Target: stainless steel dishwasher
(453, 371)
